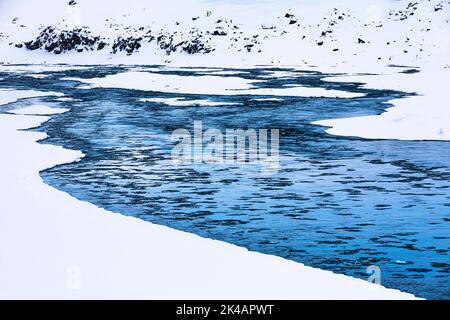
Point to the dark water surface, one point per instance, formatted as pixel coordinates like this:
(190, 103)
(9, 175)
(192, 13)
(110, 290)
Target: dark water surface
(337, 203)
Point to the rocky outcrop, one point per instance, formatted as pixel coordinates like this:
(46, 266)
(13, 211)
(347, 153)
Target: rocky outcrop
(194, 45)
(58, 41)
(129, 44)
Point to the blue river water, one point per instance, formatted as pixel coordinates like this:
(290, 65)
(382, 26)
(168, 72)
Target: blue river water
(336, 203)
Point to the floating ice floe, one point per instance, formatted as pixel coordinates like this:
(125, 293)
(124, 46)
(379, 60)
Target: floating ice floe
(268, 99)
(38, 76)
(67, 99)
(38, 110)
(9, 96)
(212, 85)
(182, 102)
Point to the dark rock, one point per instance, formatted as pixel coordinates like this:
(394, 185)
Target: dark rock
(33, 45)
(101, 45)
(129, 44)
(53, 40)
(249, 47)
(219, 33)
(196, 46)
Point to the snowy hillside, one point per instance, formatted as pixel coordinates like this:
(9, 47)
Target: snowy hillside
(346, 33)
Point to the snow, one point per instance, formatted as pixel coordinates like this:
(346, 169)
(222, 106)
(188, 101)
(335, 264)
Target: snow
(281, 74)
(212, 85)
(9, 96)
(67, 99)
(299, 91)
(425, 116)
(268, 99)
(54, 246)
(37, 68)
(38, 76)
(38, 110)
(226, 73)
(423, 35)
(185, 103)
(168, 83)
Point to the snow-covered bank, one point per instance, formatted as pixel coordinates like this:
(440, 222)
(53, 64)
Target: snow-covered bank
(425, 116)
(8, 96)
(54, 246)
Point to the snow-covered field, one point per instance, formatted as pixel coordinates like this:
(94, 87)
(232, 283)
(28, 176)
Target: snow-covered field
(50, 240)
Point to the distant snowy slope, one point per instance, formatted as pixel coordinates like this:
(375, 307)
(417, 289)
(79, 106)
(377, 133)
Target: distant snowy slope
(285, 32)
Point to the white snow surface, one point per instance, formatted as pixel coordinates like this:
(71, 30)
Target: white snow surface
(425, 116)
(38, 109)
(56, 247)
(8, 96)
(185, 103)
(67, 99)
(38, 68)
(212, 85)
